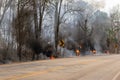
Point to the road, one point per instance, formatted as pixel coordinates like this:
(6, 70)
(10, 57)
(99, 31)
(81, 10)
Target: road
(78, 68)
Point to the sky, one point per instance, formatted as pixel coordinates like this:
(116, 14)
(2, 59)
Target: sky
(106, 4)
(110, 3)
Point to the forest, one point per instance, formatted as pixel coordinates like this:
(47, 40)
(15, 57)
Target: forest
(33, 29)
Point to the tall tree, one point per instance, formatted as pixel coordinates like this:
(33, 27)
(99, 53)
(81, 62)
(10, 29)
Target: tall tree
(113, 31)
(20, 24)
(7, 5)
(58, 5)
(39, 7)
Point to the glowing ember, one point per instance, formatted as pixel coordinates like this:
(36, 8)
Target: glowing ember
(52, 57)
(77, 52)
(94, 51)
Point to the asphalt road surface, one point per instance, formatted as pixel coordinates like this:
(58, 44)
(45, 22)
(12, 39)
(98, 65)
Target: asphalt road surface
(105, 67)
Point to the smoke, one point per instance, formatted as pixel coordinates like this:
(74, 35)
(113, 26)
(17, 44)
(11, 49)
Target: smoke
(99, 39)
(66, 52)
(97, 43)
(99, 35)
(69, 53)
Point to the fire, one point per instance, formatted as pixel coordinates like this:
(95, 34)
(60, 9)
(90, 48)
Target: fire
(94, 51)
(52, 57)
(77, 52)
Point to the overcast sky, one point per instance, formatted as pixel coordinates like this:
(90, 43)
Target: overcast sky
(106, 4)
(110, 3)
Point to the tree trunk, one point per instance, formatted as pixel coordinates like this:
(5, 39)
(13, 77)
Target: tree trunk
(35, 19)
(57, 22)
(19, 52)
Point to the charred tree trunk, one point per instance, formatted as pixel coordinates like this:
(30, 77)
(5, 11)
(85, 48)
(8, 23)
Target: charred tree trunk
(41, 14)
(38, 21)
(19, 35)
(35, 19)
(19, 52)
(57, 22)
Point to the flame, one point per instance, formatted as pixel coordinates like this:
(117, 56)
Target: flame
(52, 57)
(77, 52)
(94, 51)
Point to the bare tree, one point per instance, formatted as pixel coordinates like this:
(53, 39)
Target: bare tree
(113, 31)
(60, 12)
(7, 5)
(58, 5)
(22, 24)
(39, 7)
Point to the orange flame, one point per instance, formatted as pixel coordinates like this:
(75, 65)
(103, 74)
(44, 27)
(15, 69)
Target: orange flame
(94, 51)
(52, 57)
(77, 52)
